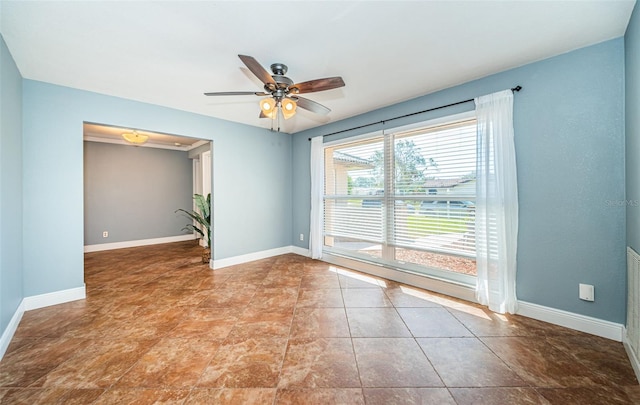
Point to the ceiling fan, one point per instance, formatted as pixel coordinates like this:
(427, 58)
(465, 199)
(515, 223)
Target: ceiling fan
(282, 92)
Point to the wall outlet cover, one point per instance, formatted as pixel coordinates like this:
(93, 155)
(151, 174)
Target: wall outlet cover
(586, 292)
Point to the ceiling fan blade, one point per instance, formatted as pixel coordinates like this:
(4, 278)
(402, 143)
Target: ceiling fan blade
(257, 69)
(311, 86)
(311, 105)
(237, 93)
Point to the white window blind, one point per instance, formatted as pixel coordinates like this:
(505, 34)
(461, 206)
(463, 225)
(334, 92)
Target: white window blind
(434, 194)
(406, 198)
(354, 195)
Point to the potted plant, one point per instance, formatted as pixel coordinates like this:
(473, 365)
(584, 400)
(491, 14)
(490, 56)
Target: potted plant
(202, 216)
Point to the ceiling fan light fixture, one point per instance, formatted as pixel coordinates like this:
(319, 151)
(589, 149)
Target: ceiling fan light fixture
(283, 92)
(135, 138)
(288, 108)
(268, 107)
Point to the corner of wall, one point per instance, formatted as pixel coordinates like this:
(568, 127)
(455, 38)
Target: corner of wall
(11, 191)
(36, 302)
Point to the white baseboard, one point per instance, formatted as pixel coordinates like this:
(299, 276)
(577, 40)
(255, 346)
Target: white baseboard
(633, 358)
(35, 302)
(136, 243)
(232, 261)
(8, 333)
(54, 298)
(300, 251)
(582, 323)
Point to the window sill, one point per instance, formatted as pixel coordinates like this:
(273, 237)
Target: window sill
(452, 288)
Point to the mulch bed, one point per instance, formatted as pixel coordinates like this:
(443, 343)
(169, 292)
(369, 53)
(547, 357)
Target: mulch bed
(456, 264)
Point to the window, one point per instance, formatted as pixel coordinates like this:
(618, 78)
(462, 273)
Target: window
(405, 198)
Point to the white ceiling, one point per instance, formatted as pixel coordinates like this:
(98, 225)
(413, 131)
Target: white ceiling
(170, 52)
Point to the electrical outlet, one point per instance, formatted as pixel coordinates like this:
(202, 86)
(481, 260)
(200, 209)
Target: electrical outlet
(105, 234)
(302, 236)
(586, 292)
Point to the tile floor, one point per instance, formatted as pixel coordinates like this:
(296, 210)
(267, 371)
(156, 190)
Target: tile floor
(159, 327)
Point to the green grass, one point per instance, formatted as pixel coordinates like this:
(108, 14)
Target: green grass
(422, 225)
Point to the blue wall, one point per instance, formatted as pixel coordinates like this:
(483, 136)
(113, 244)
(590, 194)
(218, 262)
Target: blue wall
(251, 191)
(132, 192)
(632, 118)
(10, 187)
(569, 128)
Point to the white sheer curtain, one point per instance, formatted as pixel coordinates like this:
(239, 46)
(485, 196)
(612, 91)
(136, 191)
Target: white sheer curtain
(496, 203)
(317, 193)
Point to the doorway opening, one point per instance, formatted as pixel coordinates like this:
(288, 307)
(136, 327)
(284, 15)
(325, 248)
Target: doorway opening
(132, 190)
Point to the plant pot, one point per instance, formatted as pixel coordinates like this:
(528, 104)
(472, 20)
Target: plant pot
(206, 255)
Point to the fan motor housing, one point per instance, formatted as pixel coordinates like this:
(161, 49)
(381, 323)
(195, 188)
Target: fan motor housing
(279, 69)
(282, 80)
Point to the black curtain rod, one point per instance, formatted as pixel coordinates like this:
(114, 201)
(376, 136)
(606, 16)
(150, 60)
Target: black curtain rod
(515, 89)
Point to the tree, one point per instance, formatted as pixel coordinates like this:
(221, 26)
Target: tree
(410, 167)
(364, 182)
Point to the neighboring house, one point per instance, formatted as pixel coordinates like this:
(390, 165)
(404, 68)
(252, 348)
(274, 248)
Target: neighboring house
(453, 186)
(340, 164)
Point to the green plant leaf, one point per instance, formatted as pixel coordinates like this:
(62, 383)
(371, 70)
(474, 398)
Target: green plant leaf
(202, 216)
(195, 216)
(190, 227)
(202, 204)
